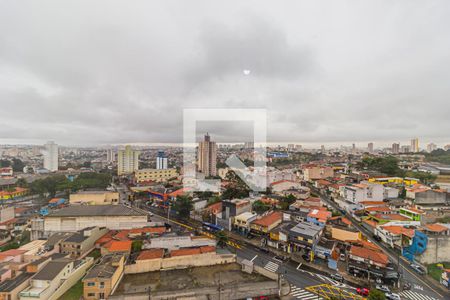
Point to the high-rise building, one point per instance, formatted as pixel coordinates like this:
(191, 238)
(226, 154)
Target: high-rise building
(207, 157)
(370, 147)
(322, 148)
(249, 145)
(110, 155)
(51, 156)
(395, 148)
(161, 160)
(405, 149)
(415, 145)
(431, 147)
(128, 161)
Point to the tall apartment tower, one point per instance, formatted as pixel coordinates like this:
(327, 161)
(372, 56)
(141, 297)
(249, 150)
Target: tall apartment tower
(207, 157)
(51, 156)
(161, 160)
(127, 161)
(395, 148)
(110, 155)
(415, 145)
(370, 147)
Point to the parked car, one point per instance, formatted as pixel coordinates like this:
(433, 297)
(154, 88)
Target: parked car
(392, 296)
(363, 291)
(418, 269)
(406, 286)
(383, 288)
(337, 277)
(280, 258)
(265, 250)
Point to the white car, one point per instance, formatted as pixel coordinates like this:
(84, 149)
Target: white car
(393, 296)
(383, 288)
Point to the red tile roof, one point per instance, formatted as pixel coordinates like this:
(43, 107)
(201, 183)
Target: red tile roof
(269, 219)
(369, 254)
(436, 227)
(393, 217)
(378, 208)
(281, 181)
(151, 254)
(321, 215)
(119, 246)
(399, 230)
(207, 249)
(185, 251)
(158, 230)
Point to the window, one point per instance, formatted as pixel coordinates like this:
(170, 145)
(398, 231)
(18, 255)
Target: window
(91, 284)
(102, 295)
(91, 294)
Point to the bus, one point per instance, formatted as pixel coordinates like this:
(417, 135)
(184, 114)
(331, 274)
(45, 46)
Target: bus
(211, 227)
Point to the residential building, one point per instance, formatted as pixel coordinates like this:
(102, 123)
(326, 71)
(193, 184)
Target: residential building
(55, 278)
(75, 218)
(303, 236)
(6, 172)
(103, 278)
(411, 213)
(80, 243)
(10, 288)
(14, 193)
(110, 155)
(266, 223)
(318, 217)
(395, 148)
(312, 172)
(207, 157)
(127, 161)
(161, 161)
(415, 145)
(122, 247)
(51, 156)
(95, 198)
(6, 214)
(363, 191)
(155, 175)
(364, 260)
(284, 185)
(242, 222)
(370, 147)
(431, 199)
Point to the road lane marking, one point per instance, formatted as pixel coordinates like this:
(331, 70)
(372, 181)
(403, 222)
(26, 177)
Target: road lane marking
(271, 266)
(416, 296)
(299, 265)
(302, 294)
(254, 258)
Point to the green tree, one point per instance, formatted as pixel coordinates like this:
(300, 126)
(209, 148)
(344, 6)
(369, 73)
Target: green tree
(4, 163)
(136, 245)
(222, 238)
(183, 206)
(286, 201)
(17, 165)
(259, 207)
(236, 187)
(375, 294)
(21, 182)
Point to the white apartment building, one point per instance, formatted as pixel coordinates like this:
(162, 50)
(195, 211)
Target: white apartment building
(363, 191)
(51, 156)
(127, 161)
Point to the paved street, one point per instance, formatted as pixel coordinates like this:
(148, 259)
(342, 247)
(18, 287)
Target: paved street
(419, 285)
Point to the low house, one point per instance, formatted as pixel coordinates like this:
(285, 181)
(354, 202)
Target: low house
(10, 288)
(123, 247)
(411, 213)
(318, 217)
(55, 278)
(266, 223)
(102, 279)
(80, 243)
(303, 236)
(392, 235)
(369, 262)
(242, 222)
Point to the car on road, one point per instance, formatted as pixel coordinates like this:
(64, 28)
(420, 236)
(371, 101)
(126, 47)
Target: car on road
(383, 288)
(392, 296)
(418, 269)
(337, 277)
(265, 250)
(280, 258)
(363, 291)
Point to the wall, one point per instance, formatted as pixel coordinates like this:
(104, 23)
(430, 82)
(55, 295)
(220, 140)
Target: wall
(6, 214)
(344, 235)
(437, 250)
(75, 276)
(95, 198)
(179, 262)
(53, 224)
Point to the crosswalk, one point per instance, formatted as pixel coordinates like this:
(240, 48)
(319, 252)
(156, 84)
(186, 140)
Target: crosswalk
(328, 280)
(271, 266)
(415, 296)
(302, 294)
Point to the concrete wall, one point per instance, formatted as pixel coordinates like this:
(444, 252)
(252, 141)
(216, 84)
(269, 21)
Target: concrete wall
(236, 291)
(437, 250)
(69, 282)
(95, 198)
(55, 224)
(179, 262)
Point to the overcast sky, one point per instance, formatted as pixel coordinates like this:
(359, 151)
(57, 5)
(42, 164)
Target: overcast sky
(101, 72)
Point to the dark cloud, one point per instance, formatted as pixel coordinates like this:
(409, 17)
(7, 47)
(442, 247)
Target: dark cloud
(93, 73)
